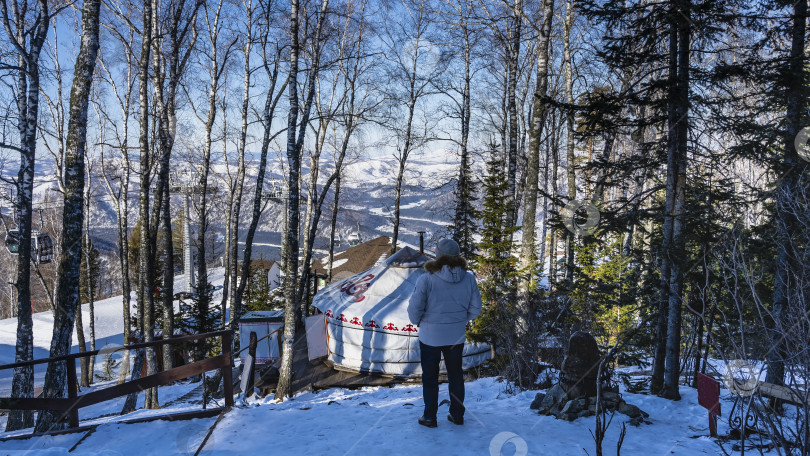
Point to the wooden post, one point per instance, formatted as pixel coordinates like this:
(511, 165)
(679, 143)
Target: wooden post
(712, 424)
(227, 373)
(252, 368)
(73, 389)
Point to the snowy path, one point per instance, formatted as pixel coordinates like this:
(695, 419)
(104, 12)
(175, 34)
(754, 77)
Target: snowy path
(382, 420)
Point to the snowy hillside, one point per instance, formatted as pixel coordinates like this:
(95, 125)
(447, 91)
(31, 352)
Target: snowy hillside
(108, 325)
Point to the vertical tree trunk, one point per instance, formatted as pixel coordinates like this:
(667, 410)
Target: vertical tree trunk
(462, 221)
(203, 303)
(168, 273)
(659, 361)
(28, 86)
(555, 164)
(258, 196)
(146, 282)
(511, 103)
(333, 226)
(569, 140)
(528, 252)
(681, 101)
(91, 286)
(795, 79)
(402, 158)
(295, 143)
(284, 387)
(67, 290)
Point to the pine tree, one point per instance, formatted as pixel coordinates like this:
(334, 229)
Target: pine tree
(497, 267)
(465, 220)
(257, 292)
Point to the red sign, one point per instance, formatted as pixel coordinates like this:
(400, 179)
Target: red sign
(708, 393)
(709, 397)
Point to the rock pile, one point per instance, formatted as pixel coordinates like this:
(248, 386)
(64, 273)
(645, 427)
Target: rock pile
(556, 402)
(575, 395)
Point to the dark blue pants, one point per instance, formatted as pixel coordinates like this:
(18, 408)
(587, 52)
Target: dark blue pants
(430, 378)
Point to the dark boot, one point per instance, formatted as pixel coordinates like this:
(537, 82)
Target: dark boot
(428, 422)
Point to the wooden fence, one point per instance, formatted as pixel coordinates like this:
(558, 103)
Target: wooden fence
(70, 406)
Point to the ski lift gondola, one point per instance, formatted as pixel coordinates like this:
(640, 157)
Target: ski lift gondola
(41, 247)
(13, 242)
(41, 244)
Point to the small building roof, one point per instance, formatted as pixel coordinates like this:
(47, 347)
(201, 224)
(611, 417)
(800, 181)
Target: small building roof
(356, 259)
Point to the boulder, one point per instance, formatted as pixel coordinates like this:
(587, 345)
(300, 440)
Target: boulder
(555, 395)
(575, 405)
(628, 409)
(538, 399)
(566, 416)
(580, 366)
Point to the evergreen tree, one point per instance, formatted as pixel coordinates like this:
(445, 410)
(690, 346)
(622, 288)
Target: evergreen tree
(497, 267)
(257, 293)
(465, 220)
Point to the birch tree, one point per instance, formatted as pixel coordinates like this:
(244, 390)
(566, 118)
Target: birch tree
(217, 55)
(118, 168)
(414, 62)
(528, 253)
(296, 132)
(173, 46)
(67, 291)
(271, 52)
(26, 27)
(238, 183)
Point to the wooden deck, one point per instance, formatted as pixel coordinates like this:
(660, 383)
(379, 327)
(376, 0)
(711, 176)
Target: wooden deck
(317, 374)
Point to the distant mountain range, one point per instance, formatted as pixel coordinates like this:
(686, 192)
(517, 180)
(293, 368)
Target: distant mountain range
(366, 201)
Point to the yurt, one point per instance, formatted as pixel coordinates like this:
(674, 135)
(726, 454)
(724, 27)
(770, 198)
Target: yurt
(366, 319)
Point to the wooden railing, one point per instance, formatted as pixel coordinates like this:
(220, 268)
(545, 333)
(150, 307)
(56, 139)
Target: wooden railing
(70, 406)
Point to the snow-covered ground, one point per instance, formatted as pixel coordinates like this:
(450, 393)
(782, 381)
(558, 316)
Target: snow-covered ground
(109, 327)
(383, 420)
(339, 421)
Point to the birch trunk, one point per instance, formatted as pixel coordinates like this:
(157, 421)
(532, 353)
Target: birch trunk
(27, 44)
(268, 114)
(67, 291)
(284, 388)
(146, 280)
(528, 253)
(569, 143)
(511, 103)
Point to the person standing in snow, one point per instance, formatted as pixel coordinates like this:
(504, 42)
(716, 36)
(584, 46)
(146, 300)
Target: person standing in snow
(444, 300)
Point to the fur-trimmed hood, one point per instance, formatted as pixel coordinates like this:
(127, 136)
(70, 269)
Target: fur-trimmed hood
(451, 262)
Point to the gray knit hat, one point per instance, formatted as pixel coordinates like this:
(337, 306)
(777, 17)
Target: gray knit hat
(448, 247)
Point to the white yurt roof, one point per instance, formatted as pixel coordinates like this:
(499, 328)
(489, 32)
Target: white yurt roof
(367, 319)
